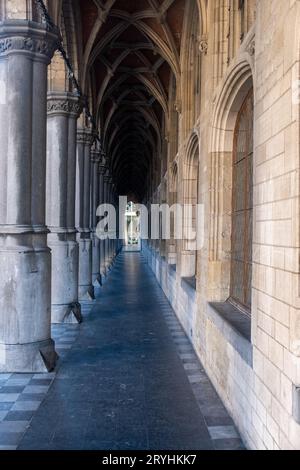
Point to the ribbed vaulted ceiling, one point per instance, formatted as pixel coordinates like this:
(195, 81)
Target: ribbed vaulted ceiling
(131, 48)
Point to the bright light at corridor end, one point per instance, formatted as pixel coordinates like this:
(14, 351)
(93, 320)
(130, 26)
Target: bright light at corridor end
(183, 222)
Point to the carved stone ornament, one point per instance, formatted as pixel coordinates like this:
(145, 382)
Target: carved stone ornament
(103, 163)
(36, 46)
(106, 178)
(65, 106)
(29, 38)
(178, 106)
(203, 46)
(96, 152)
(85, 137)
(102, 167)
(251, 48)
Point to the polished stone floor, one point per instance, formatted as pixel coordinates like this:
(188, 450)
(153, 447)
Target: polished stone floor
(128, 378)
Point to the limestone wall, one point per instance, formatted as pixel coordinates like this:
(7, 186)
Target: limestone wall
(256, 380)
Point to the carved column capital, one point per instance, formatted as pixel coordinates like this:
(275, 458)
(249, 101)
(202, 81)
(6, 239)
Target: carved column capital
(28, 38)
(96, 152)
(63, 104)
(85, 136)
(102, 167)
(107, 177)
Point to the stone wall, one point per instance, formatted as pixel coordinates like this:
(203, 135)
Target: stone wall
(255, 379)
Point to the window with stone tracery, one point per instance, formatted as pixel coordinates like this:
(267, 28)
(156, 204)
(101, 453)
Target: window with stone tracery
(242, 207)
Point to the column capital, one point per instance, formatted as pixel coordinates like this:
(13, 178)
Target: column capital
(63, 103)
(28, 38)
(102, 168)
(107, 176)
(103, 164)
(85, 136)
(96, 152)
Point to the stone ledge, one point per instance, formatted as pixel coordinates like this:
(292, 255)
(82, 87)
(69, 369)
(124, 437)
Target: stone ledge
(173, 267)
(235, 327)
(189, 282)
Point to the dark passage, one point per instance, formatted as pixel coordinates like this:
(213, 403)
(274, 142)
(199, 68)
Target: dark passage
(123, 384)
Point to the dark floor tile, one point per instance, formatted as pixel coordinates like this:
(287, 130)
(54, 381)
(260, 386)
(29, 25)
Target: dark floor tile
(12, 389)
(34, 444)
(218, 421)
(9, 438)
(6, 406)
(40, 382)
(31, 397)
(100, 445)
(19, 416)
(165, 440)
(123, 385)
(229, 444)
(21, 376)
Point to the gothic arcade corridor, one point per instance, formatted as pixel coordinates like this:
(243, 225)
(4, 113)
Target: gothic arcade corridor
(125, 383)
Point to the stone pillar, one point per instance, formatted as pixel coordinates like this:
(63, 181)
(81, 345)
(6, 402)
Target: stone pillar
(111, 240)
(102, 170)
(113, 202)
(95, 159)
(83, 200)
(63, 111)
(26, 49)
(109, 197)
(116, 245)
(106, 241)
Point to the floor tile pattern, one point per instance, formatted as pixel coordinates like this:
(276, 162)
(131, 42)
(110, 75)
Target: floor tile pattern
(127, 378)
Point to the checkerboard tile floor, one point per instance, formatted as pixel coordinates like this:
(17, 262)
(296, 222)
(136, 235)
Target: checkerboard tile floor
(22, 394)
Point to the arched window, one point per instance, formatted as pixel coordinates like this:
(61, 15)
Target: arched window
(242, 207)
(172, 256)
(190, 193)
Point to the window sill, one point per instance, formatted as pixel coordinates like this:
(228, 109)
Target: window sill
(190, 282)
(173, 267)
(235, 327)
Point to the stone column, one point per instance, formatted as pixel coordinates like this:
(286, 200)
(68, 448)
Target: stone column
(26, 49)
(109, 198)
(106, 201)
(102, 170)
(63, 111)
(116, 245)
(111, 240)
(95, 159)
(113, 202)
(83, 181)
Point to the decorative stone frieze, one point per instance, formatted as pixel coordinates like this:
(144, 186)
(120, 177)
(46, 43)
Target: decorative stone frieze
(59, 104)
(22, 37)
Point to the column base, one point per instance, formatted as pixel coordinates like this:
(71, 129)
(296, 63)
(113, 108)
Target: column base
(64, 285)
(109, 264)
(86, 293)
(85, 288)
(97, 281)
(39, 357)
(70, 313)
(103, 277)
